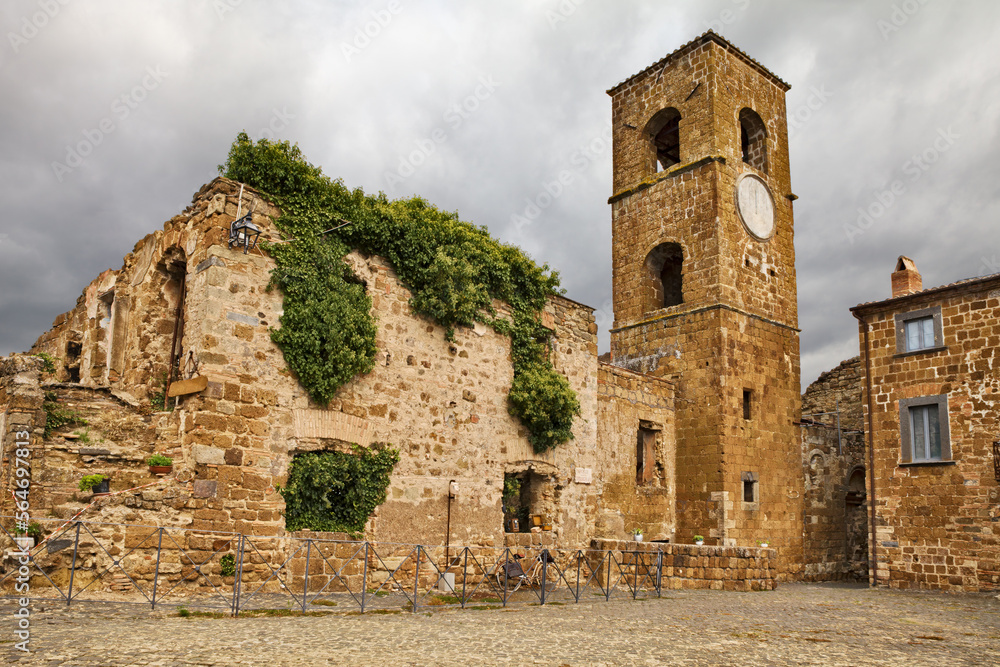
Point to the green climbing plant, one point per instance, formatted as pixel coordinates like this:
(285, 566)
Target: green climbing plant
(49, 362)
(228, 565)
(337, 491)
(453, 269)
(57, 417)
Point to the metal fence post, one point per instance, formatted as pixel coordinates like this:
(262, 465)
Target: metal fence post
(239, 575)
(659, 572)
(579, 558)
(465, 574)
(364, 579)
(305, 579)
(607, 591)
(506, 561)
(635, 572)
(72, 568)
(156, 572)
(545, 569)
(416, 579)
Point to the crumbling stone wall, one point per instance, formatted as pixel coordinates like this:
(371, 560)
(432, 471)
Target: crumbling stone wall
(20, 412)
(936, 522)
(443, 404)
(833, 465)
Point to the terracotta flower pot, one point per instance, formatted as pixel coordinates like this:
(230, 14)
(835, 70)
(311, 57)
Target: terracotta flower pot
(160, 470)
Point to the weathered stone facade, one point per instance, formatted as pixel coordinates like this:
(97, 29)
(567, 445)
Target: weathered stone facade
(441, 403)
(692, 429)
(936, 508)
(637, 454)
(700, 297)
(833, 466)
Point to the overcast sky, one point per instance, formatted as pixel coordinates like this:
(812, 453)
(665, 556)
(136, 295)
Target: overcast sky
(114, 113)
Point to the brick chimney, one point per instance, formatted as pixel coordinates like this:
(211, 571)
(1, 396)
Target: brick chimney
(906, 278)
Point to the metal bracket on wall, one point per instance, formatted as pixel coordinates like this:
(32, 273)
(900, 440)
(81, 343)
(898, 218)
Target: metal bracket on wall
(996, 459)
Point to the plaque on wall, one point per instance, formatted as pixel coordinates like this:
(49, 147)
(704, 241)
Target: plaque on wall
(584, 476)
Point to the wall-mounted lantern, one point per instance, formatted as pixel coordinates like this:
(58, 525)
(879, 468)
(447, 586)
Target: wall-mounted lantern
(243, 233)
(453, 489)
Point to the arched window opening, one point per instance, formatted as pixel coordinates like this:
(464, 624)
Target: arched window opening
(165, 349)
(663, 132)
(856, 487)
(753, 139)
(664, 265)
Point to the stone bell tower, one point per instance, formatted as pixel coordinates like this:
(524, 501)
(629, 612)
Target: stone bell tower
(704, 285)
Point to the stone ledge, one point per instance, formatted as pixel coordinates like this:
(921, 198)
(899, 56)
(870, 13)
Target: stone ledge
(713, 567)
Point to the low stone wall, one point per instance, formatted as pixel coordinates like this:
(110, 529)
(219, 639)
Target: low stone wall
(714, 567)
(545, 538)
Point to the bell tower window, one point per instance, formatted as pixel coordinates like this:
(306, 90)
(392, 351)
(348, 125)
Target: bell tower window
(664, 266)
(663, 131)
(753, 139)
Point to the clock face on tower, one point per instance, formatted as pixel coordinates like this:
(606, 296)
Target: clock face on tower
(755, 206)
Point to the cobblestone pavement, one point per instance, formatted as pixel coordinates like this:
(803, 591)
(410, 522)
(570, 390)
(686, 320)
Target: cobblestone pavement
(798, 624)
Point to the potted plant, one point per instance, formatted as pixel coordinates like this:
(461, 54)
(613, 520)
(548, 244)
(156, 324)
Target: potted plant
(99, 485)
(160, 464)
(699, 540)
(35, 531)
(637, 534)
(762, 543)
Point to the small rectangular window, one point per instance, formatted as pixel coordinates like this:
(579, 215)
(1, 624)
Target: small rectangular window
(919, 330)
(926, 433)
(751, 489)
(645, 456)
(919, 334)
(746, 403)
(924, 429)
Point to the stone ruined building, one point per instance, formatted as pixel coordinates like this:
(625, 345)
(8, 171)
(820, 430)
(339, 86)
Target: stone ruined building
(704, 285)
(691, 429)
(932, 400)
(441, 403)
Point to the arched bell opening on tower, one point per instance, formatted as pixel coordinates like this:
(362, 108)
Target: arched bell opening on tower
(665, 275)
(753, 139)
(663, 132)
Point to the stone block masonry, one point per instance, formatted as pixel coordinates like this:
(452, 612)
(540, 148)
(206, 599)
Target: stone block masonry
(692, 566)
(694, 427)
(441, 403)
(636, 454)
(702, 299)
(936, 514)
(834, 468)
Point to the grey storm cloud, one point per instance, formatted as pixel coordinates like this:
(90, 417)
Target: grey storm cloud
(115, 113)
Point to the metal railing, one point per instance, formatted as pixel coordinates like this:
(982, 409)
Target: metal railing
(233, 573)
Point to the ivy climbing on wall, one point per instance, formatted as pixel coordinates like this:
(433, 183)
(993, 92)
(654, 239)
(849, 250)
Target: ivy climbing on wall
(337, 491)
(454, 270)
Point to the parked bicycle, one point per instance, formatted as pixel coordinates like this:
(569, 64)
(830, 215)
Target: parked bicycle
(511, 575)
